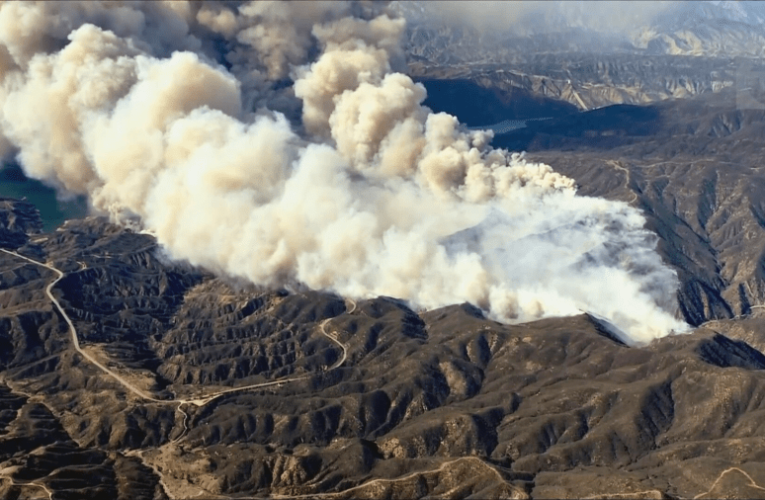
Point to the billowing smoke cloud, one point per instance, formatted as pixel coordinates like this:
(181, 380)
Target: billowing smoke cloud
(163, 114)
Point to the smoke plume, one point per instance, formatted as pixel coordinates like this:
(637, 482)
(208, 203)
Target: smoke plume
(277, 143)
(548, 16)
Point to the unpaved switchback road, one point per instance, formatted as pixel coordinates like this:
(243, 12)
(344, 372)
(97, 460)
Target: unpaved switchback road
(198, 401)
(333, 338)
(350, 305)
(48, 493)
(75, 341)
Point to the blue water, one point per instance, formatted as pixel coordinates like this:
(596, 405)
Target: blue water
(53, 211)
(507, 126)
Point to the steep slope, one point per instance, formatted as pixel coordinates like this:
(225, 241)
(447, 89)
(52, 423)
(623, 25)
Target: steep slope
(685, 49)
(692, 166)
(443, 403)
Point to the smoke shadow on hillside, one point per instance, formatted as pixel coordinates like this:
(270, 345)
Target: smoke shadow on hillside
(476, 106)
(603, 128)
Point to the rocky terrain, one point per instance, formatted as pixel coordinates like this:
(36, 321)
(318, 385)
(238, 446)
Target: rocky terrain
(211, 388)
(126, 375)
(689, 49)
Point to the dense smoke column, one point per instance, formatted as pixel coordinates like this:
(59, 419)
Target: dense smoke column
(276, 142)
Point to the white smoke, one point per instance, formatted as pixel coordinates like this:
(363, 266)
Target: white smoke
(373, 194)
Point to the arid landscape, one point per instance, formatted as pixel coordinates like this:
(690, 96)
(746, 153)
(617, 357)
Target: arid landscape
(356, 315)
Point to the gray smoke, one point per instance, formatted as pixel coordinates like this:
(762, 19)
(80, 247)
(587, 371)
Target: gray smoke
(164, 114)
(537, 17)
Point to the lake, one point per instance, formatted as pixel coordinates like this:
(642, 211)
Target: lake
(53, 211)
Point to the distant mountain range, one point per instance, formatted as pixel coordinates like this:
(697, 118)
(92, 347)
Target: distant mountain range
(712, 29)
(696, 28)
(688, 48)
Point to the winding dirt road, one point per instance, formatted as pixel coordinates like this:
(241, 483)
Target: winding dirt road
(752, 483)
(48, 493)
(75, 341)
(198, 401)
(201, 401)
(627, 179)
(441, 468)
(333, 337)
